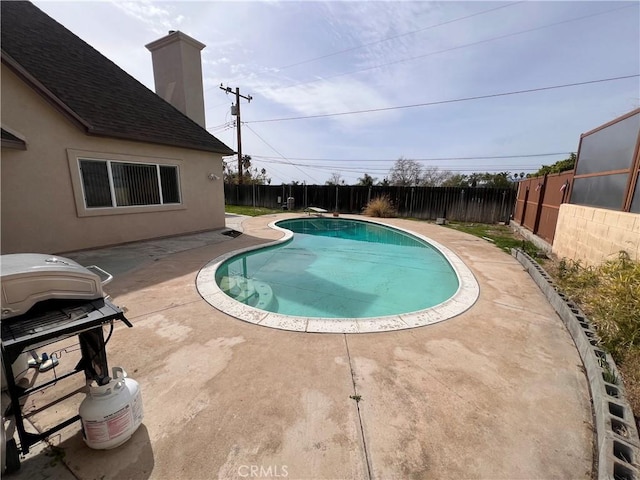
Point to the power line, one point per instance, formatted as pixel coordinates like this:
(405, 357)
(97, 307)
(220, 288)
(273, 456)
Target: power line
(486, 168)
(483, 12)
(279, 175)
(432, 159)
(272, 171)
(282, 156)
(354, 169)
(222, 127)
(358, 168)
(384, 170)
(215, 106)
(395, 62)
(441, 102)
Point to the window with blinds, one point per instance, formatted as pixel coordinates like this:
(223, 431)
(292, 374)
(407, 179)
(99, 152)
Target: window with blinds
(119, 184)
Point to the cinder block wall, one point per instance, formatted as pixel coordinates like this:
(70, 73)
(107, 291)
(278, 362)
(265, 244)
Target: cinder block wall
(593, 235)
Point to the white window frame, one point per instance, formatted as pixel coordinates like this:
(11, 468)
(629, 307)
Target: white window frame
(112, 189)
(75, 156)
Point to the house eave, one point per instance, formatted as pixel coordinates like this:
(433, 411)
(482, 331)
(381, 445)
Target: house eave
(14, 144)
(136, 138)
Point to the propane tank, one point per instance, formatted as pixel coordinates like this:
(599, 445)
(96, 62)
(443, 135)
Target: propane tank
(111, 413)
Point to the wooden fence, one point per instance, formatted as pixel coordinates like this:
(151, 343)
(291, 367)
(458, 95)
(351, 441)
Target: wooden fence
(539, 200)
(482, 205)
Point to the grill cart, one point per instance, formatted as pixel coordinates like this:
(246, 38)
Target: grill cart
(46, 299)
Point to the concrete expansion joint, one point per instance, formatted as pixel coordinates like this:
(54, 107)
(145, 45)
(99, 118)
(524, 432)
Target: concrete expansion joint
(618, 444)
(160, 310)
(356, 397)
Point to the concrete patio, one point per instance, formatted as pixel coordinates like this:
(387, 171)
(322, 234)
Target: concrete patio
(497, 392)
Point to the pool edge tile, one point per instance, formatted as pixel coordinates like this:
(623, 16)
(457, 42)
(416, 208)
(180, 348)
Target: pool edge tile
(332, 325)
(282, 322)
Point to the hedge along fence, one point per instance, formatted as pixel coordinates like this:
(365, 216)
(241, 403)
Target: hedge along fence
(474, 204)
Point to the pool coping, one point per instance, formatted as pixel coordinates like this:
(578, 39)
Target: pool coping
(464, 298)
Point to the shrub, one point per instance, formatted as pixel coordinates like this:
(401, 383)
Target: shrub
(610, 296)
(380, 207)
(629, 368)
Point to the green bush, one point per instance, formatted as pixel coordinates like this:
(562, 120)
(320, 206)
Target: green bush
(629, 367)
(610, 296)
(380, 207)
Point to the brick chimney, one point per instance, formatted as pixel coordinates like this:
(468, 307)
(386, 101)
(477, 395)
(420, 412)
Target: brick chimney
(177, 70)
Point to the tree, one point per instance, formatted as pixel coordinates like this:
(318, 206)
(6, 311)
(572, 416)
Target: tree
(366, 180)
(249, 175)
(405, 173)
(257, 177)
(434, 177)
(500, 180)
(559, 166)
(335, 179)
(457, 180)
(480, 179)
(229, 174)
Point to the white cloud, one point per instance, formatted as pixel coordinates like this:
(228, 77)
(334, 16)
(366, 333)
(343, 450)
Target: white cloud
(331, 97)
(217, 61)
(366, 24)
(157, 18)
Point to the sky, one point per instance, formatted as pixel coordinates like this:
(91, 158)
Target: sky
(316, 59)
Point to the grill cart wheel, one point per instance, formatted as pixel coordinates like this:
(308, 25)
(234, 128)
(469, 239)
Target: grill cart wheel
(12, 457)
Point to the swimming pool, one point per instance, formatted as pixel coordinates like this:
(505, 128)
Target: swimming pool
(336, 274)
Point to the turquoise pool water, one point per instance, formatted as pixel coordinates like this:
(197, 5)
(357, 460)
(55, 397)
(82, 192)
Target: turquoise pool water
(338, 268)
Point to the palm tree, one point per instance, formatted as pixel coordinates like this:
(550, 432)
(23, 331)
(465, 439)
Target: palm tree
(366, 180)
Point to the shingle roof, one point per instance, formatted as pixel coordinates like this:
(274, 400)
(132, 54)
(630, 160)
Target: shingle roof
(102, 96)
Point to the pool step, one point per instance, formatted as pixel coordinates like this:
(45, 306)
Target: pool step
(248, 291)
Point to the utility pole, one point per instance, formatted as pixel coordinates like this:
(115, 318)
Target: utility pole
(237, 114)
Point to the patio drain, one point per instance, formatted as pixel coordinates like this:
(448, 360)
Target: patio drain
(232, 233)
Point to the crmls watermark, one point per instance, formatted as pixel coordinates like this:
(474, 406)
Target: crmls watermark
(261, 471)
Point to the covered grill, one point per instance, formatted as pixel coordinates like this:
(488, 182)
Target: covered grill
(46, 299)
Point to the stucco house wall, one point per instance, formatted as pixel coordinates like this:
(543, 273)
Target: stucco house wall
(42, 207)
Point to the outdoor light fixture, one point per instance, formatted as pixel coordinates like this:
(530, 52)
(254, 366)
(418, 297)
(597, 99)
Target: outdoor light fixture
(213, 176)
